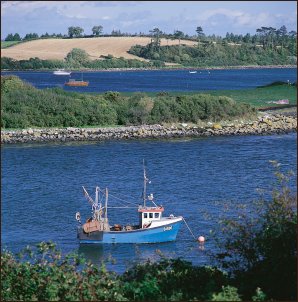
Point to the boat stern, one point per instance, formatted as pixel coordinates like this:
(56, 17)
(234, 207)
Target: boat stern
(96, 236)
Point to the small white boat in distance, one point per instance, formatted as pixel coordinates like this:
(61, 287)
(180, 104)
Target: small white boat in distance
(61, 72)
(192, 71)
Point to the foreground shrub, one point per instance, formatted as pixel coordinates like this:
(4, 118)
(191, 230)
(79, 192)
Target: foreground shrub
(44, 275)
(172, 279)
(259, 250)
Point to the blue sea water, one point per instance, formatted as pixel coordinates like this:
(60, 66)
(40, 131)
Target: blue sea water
(162, 80)
(42, 188)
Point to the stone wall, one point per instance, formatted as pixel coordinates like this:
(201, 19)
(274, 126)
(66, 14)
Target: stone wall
(266, 124)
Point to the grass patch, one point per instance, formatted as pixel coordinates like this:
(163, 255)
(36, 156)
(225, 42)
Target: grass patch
(257, 97)
(6, 44)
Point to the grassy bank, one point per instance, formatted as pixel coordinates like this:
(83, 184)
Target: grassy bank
(257, 97)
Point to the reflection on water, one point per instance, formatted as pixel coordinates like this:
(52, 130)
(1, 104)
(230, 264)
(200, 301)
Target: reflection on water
(120, 257)
(92, 252)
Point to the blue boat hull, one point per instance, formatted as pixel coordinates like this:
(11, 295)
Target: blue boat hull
(151, 235)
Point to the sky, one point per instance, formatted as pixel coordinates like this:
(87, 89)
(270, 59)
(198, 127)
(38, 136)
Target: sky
(215, 17)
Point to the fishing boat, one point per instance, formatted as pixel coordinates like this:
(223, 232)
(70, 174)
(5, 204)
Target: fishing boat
(73, 82)
(152, 227)
(192, 71)
(61, 72)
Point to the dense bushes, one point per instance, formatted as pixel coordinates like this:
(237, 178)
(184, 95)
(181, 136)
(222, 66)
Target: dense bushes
(259, 249)
(43, 274)
(210, 54)
(24, 106)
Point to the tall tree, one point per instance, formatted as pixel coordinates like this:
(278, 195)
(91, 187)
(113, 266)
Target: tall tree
(31, 36)
(178, 34)
(9, 37)
(200, 33)
(77, 57)
(282, 35)
(16, 37)
(156, 32)
(267, 35)
(75, 31)
(97, 30)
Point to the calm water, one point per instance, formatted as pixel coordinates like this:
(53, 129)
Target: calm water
(41, 188)
(160, 80)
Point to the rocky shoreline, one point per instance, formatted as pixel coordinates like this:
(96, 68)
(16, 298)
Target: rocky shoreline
(263, 125)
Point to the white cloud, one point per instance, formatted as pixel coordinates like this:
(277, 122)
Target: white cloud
(205, 15)
(239, 18)
(216, 17)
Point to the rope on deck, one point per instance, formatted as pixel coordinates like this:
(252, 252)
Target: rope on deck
(189, 229)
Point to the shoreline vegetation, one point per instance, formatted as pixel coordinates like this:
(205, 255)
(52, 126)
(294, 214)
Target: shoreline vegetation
(166, 68)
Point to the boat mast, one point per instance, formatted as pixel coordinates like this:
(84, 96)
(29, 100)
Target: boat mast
(145, 181)
(106, 205)
(96, 201)
(96, 197)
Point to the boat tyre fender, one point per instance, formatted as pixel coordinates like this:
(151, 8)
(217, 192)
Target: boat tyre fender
(78, 216)
(146, 225)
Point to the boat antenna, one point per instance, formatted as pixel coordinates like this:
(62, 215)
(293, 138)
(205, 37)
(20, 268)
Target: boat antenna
(96, 201)
(145, 182)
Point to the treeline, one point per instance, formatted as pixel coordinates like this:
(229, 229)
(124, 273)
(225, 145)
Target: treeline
(256, 260)
(214, 54)
(24, 106)
(265, 35)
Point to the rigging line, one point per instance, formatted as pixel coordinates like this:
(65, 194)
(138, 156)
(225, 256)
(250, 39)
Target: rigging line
(121, 199)
(125, 195)
(121, 207)
(189, 229)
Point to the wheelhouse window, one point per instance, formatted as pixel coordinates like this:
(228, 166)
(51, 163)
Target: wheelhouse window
(156, 215)
(150, 215)
(145, 215)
